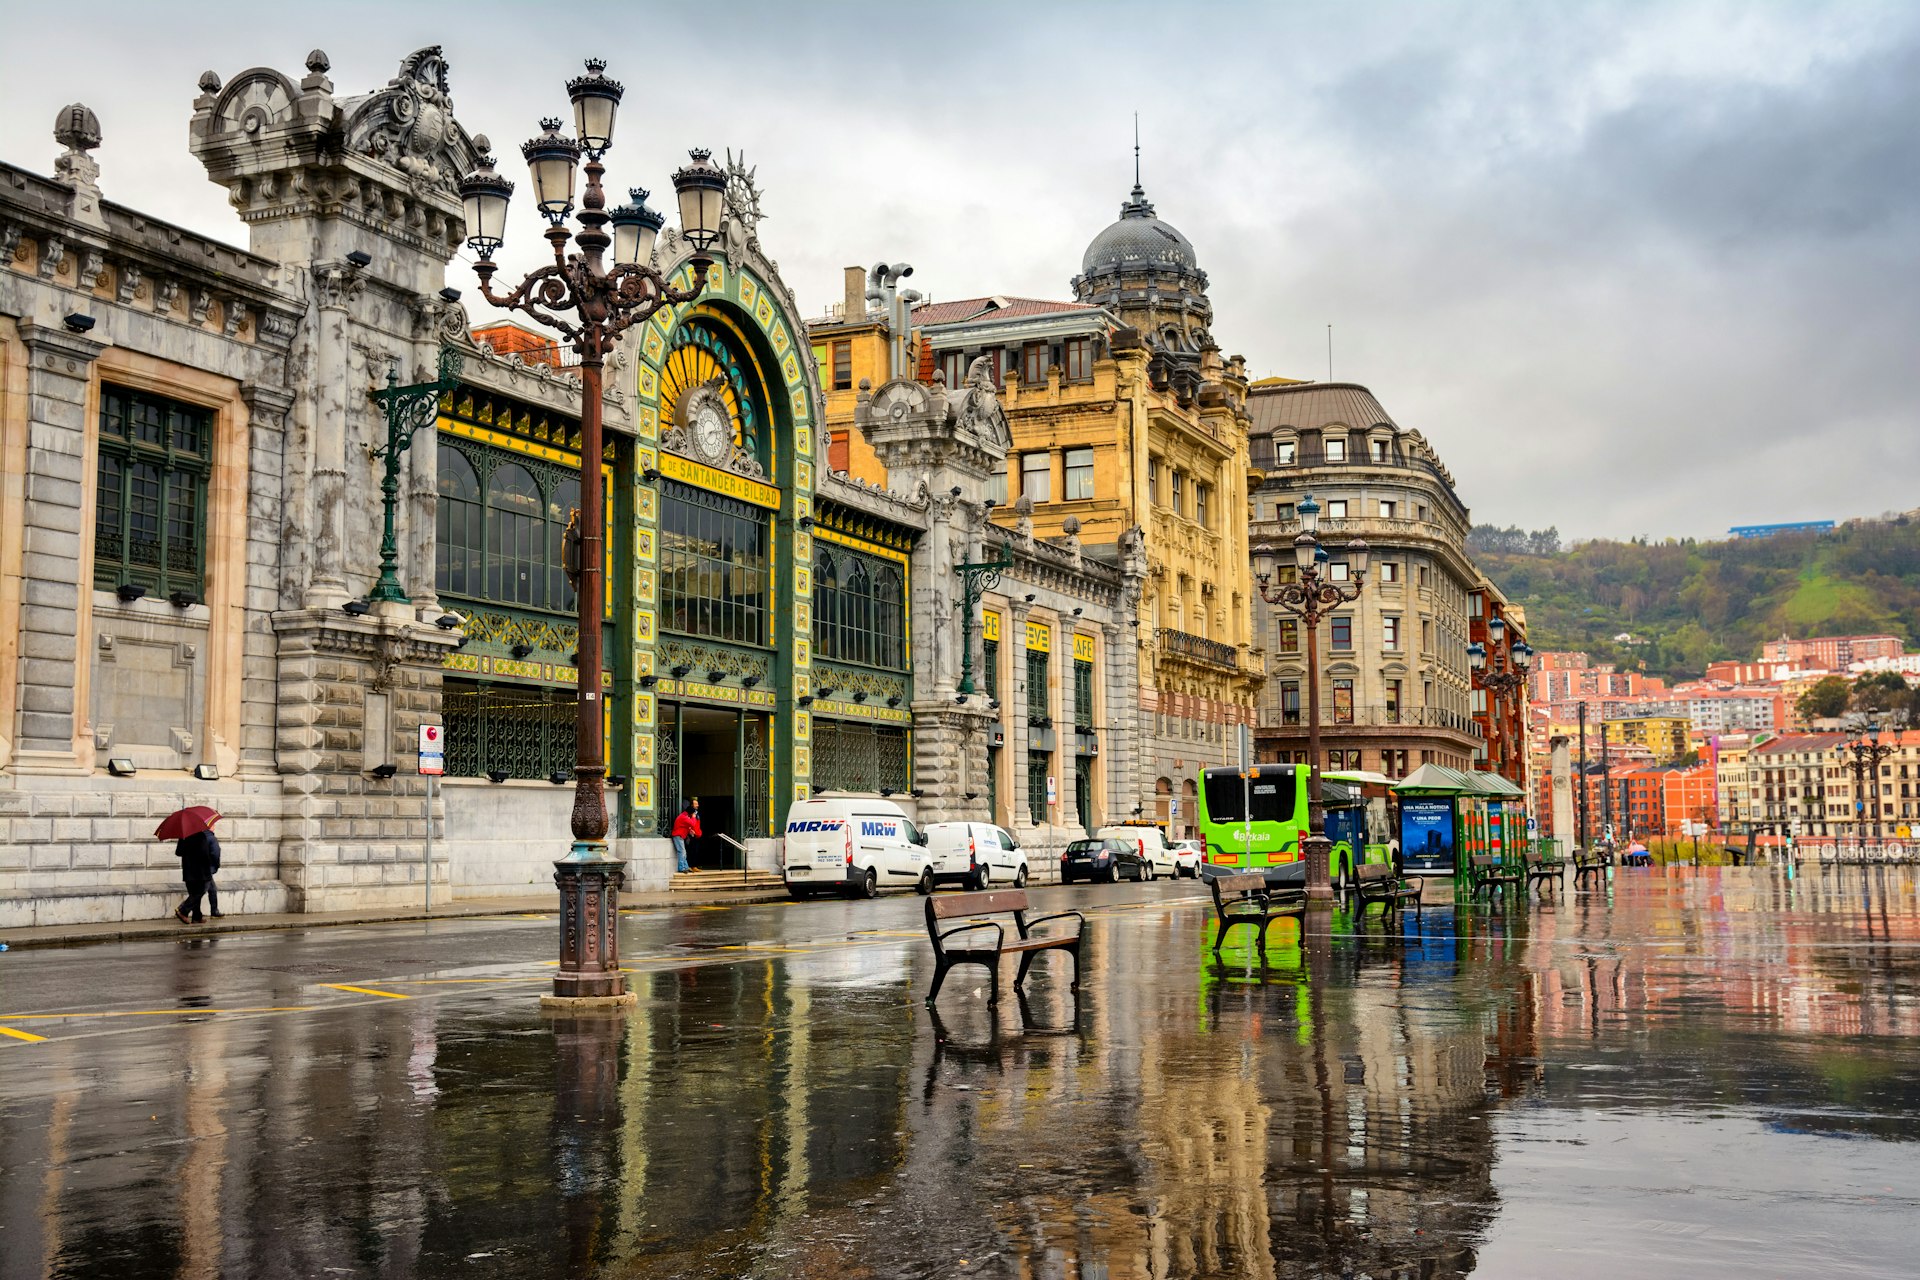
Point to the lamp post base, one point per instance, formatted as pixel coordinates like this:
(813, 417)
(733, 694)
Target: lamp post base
(589, 884)
(1316, 851)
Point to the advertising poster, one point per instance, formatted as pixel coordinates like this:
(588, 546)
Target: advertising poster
(1426, 834)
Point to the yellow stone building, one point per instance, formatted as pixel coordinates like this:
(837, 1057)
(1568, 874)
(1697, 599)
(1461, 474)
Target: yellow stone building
(1668, 737)
(1128, 426)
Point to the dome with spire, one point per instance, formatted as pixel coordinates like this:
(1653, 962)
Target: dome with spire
(1139, 241)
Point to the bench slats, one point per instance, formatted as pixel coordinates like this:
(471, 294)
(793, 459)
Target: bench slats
(977, 904)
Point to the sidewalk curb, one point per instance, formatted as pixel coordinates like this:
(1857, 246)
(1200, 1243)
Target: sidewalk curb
(65, 935)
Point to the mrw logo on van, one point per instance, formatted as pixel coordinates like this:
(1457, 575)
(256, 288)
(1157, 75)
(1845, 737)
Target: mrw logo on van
(880, 829)
(817, 824)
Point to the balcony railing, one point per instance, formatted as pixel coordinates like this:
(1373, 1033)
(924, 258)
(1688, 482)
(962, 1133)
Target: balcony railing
(1186, 645)
(1373, 717)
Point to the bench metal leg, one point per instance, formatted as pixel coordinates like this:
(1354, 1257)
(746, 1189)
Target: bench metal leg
(939, 977)
(1026, 963)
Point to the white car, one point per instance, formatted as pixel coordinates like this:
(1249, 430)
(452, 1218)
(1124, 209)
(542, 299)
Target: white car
(852, 845)
(1150, 840)
(976, 854)
(1188, 855)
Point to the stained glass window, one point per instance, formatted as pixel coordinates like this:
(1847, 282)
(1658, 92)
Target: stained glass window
(149, 525)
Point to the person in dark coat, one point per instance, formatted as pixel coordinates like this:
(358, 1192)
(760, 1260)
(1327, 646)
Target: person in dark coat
(199, 856)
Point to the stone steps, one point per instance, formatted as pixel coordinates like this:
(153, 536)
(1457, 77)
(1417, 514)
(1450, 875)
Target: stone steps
(709, 881)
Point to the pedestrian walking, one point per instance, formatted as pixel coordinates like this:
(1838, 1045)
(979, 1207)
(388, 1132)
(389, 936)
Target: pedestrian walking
(199, 856)
(686, 826)
(198, 849)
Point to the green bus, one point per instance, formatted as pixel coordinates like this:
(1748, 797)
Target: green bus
(1270, 842)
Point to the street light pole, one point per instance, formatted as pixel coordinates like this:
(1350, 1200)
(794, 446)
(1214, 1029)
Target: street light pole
(604, 301)
(1500, 683)
(1309, 598)
(1867, 751)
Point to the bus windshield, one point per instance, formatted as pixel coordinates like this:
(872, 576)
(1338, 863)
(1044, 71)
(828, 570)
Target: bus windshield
(1272, 793)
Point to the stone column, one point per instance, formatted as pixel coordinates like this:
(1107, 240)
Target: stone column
(60, 373)
(270, 494)
(336, 285)
(1562, 797)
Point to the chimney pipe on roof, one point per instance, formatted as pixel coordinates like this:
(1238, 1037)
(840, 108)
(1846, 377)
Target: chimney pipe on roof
(855, 284)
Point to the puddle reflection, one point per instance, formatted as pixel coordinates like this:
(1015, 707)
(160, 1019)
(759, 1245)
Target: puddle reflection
(1384, 1097)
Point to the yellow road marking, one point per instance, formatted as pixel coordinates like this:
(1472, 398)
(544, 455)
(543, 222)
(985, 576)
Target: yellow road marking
(365, 991)
(21, 1035)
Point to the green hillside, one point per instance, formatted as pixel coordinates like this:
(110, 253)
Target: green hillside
(1696, 602)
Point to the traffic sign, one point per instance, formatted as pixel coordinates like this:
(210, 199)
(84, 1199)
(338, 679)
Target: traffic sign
(1053, 790)
(1173, 810)
(433, 750)
(1533, 825)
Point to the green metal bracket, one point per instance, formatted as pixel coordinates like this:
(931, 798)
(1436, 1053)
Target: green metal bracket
(408, 410)
(975, 581)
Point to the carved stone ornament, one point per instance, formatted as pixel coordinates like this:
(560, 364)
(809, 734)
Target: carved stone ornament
(743, 194)
(410, 124)
(978, 408)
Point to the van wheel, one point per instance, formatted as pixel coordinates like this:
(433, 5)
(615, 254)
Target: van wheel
(1020, 879)
(982, 878)
(798, 894)
(925, 884)
(870, 887)
(1148, 873)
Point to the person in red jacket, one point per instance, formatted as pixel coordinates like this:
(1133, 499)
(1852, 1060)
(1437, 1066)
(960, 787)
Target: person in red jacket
(686, 826)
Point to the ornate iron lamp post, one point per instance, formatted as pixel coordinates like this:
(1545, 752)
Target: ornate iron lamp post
(1865, 752)
(408, 409)
(1309, 598)
(1501, 682)
(603, 302)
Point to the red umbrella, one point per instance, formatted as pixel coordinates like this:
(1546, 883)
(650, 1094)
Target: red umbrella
(186, 822)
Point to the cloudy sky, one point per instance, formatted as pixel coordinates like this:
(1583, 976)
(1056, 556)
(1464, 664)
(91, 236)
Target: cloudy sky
(1634, 268)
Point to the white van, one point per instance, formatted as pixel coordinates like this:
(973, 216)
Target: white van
(853, 845)
(976, 854)
(1151, 841)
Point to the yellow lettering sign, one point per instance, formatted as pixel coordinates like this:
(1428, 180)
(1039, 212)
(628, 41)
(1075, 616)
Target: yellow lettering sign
(990, 626)
(1083, 648)
(1039, 638)
(690, 472)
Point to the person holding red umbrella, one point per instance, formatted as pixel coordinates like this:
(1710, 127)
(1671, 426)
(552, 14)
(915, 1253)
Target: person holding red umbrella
(199, 852)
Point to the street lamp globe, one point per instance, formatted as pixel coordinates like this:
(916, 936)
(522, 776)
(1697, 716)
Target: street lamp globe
(700, 187)
(595, 99)
(635, 227)
(1305, 548)
(551, 159)
(1309, 514)
(485, 194)
(1263, 561)
(1477, 656)
(1358, 554)
(1496, 628)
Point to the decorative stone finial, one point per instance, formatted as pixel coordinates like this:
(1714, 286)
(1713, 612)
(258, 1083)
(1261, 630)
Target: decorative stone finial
(209, 82)
(1070, 526)
(484, 145)
(318, 62)
(77, 128)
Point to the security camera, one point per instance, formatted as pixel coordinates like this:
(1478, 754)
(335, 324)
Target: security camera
(360, 258)
(449, 621)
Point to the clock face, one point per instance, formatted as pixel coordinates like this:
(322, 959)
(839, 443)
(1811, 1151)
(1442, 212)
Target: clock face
(710, 426)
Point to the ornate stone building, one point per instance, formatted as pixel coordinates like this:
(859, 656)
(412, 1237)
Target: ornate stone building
(1395, 691)
(192, 529)
(1129, 437)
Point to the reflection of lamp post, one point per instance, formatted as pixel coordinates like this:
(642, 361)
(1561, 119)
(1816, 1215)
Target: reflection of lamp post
(1499, 683)
(605, 301)
(409, 409)
(1309, 598)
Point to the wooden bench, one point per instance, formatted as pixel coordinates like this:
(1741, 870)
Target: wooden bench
(1376, 882)
(1246, 899)
(1027, 945)
(1544, 870)
(1488, 872)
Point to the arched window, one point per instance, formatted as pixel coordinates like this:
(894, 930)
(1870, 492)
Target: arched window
(461, 519)
(562, 503)
(856, 613)
(516, 538)
(826, 599)
(889, 618)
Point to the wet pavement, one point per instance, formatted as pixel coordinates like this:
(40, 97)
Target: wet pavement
(1686, 1073)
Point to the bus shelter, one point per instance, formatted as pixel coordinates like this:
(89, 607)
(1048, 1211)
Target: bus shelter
(1448, 817)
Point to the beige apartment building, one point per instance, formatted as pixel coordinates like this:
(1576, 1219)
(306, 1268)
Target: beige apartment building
(1395, 686)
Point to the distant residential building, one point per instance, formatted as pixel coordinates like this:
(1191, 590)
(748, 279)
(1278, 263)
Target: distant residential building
(1832, 653)
(1662, 798)
(1667, 737)
(1734, 797)
(1787, 783)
